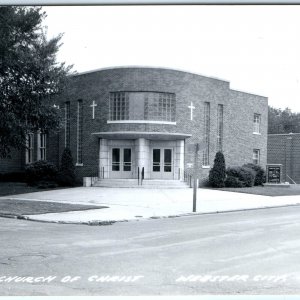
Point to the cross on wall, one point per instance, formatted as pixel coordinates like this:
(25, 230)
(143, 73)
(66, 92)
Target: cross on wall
(191, 107)
(93, 106)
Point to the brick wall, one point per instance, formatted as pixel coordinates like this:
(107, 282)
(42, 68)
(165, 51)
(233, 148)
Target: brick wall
(285, 149)
(239, 108)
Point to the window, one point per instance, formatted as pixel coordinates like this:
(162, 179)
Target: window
(29, 148)
(205, 158)
(256, 156)
(256, 123)
(79, 132)
(220, 128)
(41, 146)
(67, 124)
(152, 106)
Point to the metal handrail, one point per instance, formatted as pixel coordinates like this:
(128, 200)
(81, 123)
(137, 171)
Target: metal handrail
(187, 178)
(143, 175)
(138, 175)
(291, 179)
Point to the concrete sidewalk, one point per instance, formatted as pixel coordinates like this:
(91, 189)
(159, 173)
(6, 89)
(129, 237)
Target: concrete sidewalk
(132, 204)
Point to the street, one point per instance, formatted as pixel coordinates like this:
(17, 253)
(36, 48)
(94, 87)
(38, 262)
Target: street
(250, 252)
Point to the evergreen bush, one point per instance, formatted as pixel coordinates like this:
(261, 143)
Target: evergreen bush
(40, 171)
(244, 174)
(217, 174)
(234, 182)
(66, 175)
(260, 177)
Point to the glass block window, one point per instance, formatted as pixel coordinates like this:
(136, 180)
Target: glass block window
(256, 123)
(119, 106)
(256, 156)
(67, 124)
(152, 106)
(220, 128)
(79, 131)
(42, 146)
(205, 158)
(29, 148)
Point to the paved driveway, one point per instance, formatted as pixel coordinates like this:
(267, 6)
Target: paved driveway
(130, 204)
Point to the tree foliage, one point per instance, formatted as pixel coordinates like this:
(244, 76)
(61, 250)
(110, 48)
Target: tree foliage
(66, 174)
(29, 76)
(217, 174)
(283, 121)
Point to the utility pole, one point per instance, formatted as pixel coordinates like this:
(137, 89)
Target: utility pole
(195, 177)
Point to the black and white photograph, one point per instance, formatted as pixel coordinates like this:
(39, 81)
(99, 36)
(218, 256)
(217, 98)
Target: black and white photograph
(149, 150)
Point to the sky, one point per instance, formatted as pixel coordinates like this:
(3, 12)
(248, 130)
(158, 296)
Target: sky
(256, 48)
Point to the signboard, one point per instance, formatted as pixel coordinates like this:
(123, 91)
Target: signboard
(189, 165)
(273, 174)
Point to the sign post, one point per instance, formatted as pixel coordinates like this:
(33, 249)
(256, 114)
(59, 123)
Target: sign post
(195, 177)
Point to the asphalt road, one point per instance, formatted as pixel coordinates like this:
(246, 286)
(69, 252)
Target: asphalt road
(252, 252)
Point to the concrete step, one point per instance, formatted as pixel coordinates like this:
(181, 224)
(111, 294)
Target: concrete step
(133, 183)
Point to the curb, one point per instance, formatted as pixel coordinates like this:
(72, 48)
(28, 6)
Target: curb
(111, 222)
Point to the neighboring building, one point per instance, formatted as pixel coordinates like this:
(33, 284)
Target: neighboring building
(285, 149)
(119, 119)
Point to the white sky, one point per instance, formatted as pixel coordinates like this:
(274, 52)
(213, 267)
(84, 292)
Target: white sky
(256, 48)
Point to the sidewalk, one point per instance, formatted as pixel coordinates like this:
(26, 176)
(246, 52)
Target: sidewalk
(132, 204)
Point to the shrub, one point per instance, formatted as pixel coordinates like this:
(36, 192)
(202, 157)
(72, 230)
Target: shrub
(260, 177)
(234, 182)
(217, 174)
(244, 174)
(40, 171)
(66, 175)
(13, 177)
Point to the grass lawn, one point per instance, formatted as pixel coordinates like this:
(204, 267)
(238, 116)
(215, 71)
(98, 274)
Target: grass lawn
(27, 207)
(266, 190)
(13, 188)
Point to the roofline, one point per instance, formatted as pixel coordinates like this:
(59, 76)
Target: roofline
(249, 93)
(148, 67)
(288, 134)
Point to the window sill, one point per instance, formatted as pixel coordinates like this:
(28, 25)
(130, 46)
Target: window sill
(205, 167)
(256, 133)
(78, 165)
(140, 122)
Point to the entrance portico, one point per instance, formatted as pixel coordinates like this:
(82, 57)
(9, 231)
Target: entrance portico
(160, 154)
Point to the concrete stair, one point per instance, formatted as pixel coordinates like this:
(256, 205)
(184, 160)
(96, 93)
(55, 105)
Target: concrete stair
(147, 184)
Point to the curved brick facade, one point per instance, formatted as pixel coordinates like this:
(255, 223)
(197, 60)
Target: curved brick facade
(238, 111)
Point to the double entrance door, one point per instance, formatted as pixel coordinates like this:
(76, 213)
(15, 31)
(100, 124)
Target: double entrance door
(162, 163)
(121, 162)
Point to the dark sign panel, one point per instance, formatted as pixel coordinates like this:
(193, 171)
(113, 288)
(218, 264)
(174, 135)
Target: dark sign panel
(273, 174)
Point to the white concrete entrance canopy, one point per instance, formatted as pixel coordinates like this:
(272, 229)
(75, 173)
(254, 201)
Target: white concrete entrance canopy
(132, 135)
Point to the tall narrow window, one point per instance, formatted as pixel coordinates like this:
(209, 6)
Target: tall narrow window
(205, 159)
(79, 132)
(67, 124)
(256, 123)
(29, 148)
(256, 156)
(41, 139)
(220, 128)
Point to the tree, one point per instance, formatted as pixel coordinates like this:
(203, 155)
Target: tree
(217, 174)
(66, 174)
(283, 121)
(29, 76)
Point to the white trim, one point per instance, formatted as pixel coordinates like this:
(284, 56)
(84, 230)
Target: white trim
(140, 122)
(78, 165)
(257, 133)
(205, 167)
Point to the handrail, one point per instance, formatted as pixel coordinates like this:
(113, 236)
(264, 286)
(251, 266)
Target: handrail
(291, 179)
(187, 178)
(143, 174)
(138, 175)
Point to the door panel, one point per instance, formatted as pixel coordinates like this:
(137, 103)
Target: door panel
(162, 163)
(121, 163)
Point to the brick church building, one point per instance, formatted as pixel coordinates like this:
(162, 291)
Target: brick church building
(117, 120)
